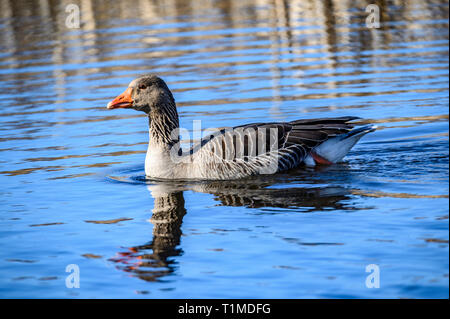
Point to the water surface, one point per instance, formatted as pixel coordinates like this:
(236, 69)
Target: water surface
(72, 173)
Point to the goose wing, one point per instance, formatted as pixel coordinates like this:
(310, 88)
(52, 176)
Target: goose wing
(252, 146)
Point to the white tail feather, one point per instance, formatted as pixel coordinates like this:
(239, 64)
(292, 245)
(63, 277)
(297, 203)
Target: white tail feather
(335, 149)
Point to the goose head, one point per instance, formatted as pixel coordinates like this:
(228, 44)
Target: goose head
(148, 94)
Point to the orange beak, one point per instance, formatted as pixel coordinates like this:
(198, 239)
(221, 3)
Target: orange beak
(123, 101)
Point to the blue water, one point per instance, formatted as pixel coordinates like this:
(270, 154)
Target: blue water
(72, 172)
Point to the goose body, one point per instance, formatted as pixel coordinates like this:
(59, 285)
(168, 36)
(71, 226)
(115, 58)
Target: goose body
(233, 152)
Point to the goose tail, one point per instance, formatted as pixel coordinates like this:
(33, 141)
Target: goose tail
(334, 149)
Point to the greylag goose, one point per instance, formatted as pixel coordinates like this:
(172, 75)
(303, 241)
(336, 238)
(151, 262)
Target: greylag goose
(237, 152)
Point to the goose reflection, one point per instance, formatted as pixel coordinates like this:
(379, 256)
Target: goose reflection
(155, 260)
(255, 195)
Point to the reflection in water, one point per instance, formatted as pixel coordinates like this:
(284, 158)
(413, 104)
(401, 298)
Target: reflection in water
(256, 195)
(307, 30)
(152, 261)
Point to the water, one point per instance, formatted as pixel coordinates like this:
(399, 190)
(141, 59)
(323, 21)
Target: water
(72, 173)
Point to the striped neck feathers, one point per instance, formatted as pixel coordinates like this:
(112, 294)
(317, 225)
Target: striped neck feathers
(163, 121)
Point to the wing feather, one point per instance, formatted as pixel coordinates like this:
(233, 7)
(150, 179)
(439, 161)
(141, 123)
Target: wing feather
(248, 147)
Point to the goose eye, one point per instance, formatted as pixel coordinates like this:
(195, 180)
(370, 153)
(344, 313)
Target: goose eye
(141, 87)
